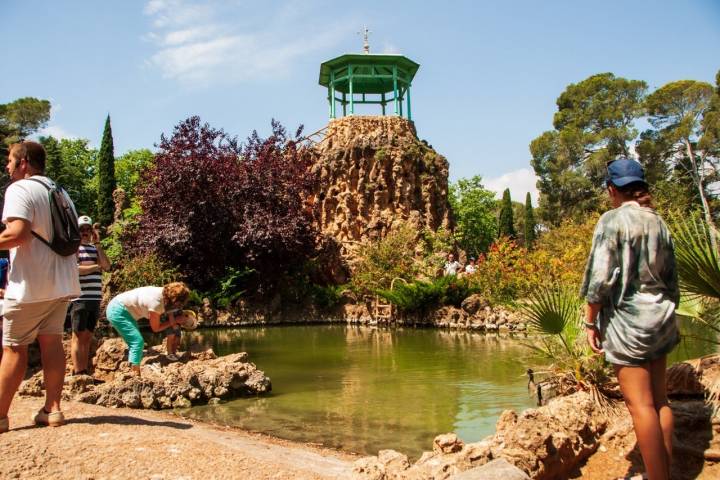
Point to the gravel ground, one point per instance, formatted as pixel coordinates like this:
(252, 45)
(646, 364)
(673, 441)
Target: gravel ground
(103, 443)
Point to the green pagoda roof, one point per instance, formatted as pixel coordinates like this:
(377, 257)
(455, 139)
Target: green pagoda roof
(372, 73)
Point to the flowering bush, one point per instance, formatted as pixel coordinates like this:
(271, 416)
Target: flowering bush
(510, 272)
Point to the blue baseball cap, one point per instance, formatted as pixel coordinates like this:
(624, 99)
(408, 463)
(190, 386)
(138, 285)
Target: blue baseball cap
(624, 171)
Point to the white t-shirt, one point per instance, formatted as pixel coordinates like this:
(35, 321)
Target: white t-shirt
(470, 268)
(451, 268)
(37, 274)
(140, 301)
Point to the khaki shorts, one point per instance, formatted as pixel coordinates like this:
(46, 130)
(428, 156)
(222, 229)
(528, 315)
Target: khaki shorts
(23, 322)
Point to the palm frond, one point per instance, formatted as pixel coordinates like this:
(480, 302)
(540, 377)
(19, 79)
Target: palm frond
(698, 263)
(554, 311)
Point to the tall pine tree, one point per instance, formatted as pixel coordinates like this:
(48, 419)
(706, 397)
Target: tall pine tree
(529, 222)
(506, 224)
(106, 177)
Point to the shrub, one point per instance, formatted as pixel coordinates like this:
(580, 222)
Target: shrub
(231, 287)
(403, 253)
(421, 295)
(327, 297)
(414, 296)
(141, 271)
(209, 204)
(382, 261)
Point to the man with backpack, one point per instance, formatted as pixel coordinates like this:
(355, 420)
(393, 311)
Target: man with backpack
(42, 236)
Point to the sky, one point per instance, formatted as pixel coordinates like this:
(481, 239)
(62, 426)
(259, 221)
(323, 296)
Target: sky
(490, 71)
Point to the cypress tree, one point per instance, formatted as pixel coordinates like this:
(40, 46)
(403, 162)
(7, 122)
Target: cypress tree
(529, 222)
(106, 177)
(506, 223)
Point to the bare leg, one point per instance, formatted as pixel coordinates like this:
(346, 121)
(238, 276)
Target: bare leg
(53, 362)
(83, 350)
(12, 371)
(636, 387)
(659, 386)
(170, 345)
(75, 352)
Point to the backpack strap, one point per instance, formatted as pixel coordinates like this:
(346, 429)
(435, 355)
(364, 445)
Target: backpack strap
(33, 231)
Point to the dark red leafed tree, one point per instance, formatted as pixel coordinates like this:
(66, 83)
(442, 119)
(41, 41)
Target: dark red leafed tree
(210, 204)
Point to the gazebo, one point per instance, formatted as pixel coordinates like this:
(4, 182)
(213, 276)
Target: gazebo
(367, 78)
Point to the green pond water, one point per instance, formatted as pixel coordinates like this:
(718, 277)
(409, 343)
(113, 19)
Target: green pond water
(363, 389)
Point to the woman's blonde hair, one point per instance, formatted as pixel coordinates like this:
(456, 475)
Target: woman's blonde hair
(175, 293)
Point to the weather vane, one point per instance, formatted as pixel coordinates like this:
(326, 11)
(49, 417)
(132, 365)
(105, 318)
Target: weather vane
(366, 44)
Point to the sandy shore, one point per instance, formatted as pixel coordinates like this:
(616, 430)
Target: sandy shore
(103, 443)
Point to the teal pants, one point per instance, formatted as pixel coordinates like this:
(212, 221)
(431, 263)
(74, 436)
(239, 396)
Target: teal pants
(127, 327)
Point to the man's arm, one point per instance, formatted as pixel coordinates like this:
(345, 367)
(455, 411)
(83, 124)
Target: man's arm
(17, 232)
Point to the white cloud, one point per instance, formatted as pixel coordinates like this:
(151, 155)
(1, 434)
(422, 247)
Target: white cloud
(389, 48)
(520, 182)
(54, 131)
(199, 45)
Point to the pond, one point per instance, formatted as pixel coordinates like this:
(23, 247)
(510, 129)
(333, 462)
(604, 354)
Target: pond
(363, 389)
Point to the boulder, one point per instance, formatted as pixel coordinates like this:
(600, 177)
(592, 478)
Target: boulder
(473, 304)
(447, 443)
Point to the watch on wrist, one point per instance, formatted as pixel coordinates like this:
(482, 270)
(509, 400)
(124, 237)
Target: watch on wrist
(589, 325)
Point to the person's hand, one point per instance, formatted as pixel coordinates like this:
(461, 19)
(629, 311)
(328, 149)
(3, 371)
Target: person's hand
(95, 236)
(594, 339)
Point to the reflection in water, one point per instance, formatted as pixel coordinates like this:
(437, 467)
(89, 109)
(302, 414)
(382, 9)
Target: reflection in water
(364, 389)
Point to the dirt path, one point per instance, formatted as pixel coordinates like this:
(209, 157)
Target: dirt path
(101, 443)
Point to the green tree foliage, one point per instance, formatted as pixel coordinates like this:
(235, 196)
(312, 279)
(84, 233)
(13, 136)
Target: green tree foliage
(72, 164)
(710, 141)
(106, 177)
(506, 223)
(53, 160)
(676, 111)
(474, 209)
(130, 167)
(21, 118)
(594, 124)
(78, 174)
(529, 222)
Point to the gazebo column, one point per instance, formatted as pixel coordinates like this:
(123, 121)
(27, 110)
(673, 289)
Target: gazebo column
(352, 100)
(395, 88)
(382, 102)
(409, 112)
(344, 105)
(331, 93)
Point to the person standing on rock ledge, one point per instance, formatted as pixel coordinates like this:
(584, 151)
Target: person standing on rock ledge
(40, 283)
(631, 288)
(85, 311)
(127, 308)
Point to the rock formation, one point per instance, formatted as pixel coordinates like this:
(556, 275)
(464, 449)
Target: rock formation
(545, 443)
(374, 173)
(199, 377)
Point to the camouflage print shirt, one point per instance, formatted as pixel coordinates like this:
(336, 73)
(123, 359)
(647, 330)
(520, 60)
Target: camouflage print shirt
(631, 273)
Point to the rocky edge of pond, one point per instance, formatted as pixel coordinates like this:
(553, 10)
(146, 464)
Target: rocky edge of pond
(474, 314)
(199, 377)
(570, 437)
